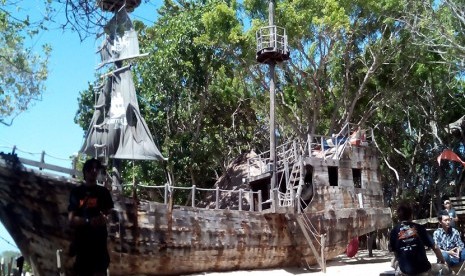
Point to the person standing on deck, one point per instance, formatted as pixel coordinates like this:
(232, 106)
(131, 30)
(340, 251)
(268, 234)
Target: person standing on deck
(89, 204)
(452, 214)
(408, 241)
(448, 240)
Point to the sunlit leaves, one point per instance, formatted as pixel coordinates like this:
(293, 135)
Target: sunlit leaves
(23, 69)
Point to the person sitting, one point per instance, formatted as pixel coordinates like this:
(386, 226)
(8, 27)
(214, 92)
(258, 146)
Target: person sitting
(408, 241)
(452, 213)
(448, 240)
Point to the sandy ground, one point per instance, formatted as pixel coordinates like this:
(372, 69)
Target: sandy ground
(360, 265)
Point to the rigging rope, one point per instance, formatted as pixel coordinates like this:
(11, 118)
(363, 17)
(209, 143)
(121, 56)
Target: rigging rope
(5, 240)
(34, 153)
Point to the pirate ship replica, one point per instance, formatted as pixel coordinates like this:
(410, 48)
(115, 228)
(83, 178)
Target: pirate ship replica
(306, 199)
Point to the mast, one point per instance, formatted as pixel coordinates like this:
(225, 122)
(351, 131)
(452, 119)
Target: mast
(117, 129)
(272, 76)
(272, 48)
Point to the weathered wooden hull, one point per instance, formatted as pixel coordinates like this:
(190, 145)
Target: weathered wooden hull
(150, 238)
(193, 240)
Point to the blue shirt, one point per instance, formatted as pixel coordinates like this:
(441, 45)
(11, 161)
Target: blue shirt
(447, 240)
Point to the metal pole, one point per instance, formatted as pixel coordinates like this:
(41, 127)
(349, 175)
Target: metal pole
(272, 116)
(271, 12)
(273, 133)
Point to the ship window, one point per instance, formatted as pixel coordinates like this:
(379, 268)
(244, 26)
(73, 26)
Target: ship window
(357, 177)
(332, 175)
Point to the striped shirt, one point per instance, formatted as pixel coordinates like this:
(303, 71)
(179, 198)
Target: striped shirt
(447, 240)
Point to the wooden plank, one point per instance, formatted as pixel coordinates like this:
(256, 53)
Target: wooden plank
(426, 220)
(42, 165)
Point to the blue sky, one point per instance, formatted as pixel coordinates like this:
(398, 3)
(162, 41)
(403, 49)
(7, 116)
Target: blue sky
(48, 125)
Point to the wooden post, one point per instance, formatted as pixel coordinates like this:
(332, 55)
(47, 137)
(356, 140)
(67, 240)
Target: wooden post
(431, 207)
(260, 207)
(10, 264)
(193, 196)
(240, 199)
(217, 200)
(274, 200)
(309, 141)
(251, 200)
(323, 259)
(74, 164)
(248, 168)
(166, 193)
(59, 262)
(42, 160)
(294, 146)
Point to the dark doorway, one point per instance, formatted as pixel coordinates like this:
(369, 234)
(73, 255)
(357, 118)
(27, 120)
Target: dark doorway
(332, 175)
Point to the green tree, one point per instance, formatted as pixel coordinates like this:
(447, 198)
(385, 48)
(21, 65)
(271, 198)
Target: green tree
(437, 27)
(206, 99)
(22, 72)
(354, 62)
(199, 104)
(195, 102)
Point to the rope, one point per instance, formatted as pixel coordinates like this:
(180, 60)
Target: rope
(34, 153)
(5, 240)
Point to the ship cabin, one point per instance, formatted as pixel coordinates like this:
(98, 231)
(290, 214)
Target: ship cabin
(323, 172)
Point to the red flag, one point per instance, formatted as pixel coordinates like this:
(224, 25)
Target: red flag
(450, 155)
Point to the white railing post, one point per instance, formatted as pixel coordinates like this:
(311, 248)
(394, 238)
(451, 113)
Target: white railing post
(166, 193)
(252, 207)
(240, 199)
(260, 207)
(309, 141)
(59, 253)
(294, 145)
(217, 203)
(42, 160)
(274, 200)
(248, 168)
(323, 258)
(193, 196)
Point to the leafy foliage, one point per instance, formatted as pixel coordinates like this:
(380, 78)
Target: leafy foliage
(22, 72)
(206, 99)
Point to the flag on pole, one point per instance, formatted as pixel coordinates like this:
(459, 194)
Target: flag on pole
(451, 156)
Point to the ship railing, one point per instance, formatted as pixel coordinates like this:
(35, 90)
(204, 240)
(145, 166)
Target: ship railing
(166, 191)
(332, 147)
(287, 153)
(42, 165)
(320, 146)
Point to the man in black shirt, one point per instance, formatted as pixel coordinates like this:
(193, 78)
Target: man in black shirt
(89, 204)
(408, 241)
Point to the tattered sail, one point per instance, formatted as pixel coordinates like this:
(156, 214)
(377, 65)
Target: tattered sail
(120, 131)
(120, 41)
(117, 129)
